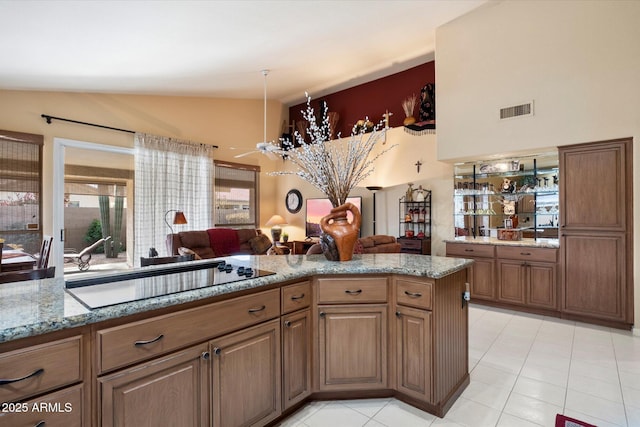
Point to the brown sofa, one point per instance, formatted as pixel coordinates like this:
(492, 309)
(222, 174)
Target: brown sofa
(376, 244)
(218, 242)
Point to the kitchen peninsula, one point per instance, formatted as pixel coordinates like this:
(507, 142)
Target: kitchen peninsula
(248, 352)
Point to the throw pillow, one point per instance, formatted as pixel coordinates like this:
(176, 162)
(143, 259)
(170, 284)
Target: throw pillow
(187, 251)
(260, 244)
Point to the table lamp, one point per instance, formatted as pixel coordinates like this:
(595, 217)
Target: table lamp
(275, 222)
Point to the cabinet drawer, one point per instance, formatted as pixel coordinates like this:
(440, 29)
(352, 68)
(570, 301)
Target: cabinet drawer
(470, 250)
(40, 368)
(527, 253)
(349, 290)
(410, 244)
(414, 293)
(295, 297)
(133, 342)
(60, 409)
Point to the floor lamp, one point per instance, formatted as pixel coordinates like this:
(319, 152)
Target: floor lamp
(178, 218)
(374, 189)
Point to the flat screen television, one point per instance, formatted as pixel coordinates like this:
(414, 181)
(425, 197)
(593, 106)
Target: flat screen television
(317, 208)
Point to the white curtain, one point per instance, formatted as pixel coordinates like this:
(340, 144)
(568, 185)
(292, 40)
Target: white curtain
(170, 174)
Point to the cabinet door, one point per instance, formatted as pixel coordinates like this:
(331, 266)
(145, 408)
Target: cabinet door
(595, 186)
(170, 391)
(246, 376)
(296, 357)
(413, 352)
(542, 289)
(482, 279)
(352, 347)
(511, 281)
(594, 275)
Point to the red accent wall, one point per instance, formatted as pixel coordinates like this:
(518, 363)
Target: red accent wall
(374, 98)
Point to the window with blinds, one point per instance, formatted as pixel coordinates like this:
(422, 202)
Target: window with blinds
(21, 190)
(236, 195)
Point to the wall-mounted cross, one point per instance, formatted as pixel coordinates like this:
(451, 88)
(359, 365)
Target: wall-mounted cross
(418, 164)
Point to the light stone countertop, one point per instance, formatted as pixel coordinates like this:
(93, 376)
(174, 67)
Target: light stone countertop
(40, 306)
(539, 243)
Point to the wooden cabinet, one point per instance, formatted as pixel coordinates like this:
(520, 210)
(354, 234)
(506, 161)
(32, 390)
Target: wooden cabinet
(527, 276)
(594, 275)
(171, 390)
(596, 244)
(55, 368)
(133, 342)
(63, 408)
(482, 281)
(40, 368)
(352, 351)
(296, 343)
(352, 332)
(246, 376)
(518, 276)
(296, 357)
(413, 352)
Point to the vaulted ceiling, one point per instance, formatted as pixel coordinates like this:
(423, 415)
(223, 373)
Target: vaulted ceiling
(215, 48)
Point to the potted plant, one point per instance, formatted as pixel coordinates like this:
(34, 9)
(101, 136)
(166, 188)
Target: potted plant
(285, 237)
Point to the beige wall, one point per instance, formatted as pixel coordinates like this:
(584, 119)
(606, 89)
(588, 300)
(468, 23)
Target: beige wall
(223, 122)
(578, 60)
(392, 171)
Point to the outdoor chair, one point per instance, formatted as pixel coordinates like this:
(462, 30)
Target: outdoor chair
(83, 258)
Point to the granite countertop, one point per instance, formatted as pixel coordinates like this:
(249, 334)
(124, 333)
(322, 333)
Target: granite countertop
(536, 243)
(39, 306)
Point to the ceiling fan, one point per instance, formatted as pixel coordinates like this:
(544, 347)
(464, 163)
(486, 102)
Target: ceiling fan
(263, 147)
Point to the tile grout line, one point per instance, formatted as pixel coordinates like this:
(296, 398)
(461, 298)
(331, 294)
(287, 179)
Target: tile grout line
(615, 358)
(518, 375)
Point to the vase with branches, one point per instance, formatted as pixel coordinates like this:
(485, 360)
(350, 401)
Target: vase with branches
(333, 167)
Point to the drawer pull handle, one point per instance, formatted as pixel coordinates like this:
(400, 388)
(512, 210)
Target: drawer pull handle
(468, 250)
(358, 292)
(413, 294)
(15, 380)
(322, 314)
(156, 339)
(287, 323)
(525, 253)
(296, 297)
(205, 355)
(217, 351)
(398, 314)
(40, 424)
(255, 310)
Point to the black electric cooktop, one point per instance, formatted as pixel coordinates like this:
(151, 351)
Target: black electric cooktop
(148, 283)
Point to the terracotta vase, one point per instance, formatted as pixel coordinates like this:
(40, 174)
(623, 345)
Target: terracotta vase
(341, 236)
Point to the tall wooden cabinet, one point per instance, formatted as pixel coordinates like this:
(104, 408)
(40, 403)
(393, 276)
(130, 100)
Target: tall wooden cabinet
(596, 231)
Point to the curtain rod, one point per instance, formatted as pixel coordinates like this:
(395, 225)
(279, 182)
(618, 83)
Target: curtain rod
(49, 118)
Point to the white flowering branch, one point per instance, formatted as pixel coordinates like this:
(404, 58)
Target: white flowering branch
(333, 168)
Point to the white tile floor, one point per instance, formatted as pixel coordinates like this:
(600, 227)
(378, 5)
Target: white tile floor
(524, 370)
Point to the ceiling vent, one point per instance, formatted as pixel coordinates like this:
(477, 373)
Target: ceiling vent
(514, 111)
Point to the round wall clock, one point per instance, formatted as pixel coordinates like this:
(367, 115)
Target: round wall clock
(293, 201)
